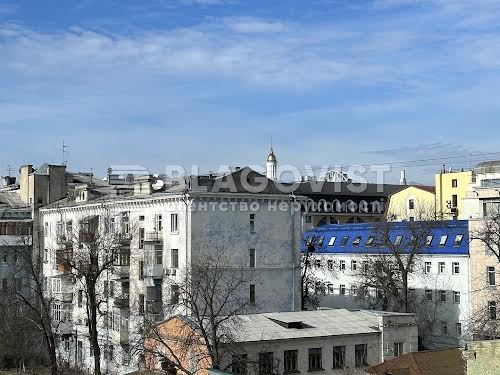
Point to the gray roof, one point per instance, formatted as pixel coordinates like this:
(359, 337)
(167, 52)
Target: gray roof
(319, 323)
(492, 166)
(11, 199)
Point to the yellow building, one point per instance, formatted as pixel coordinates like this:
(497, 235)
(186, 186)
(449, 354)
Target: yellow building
(412, 203)
(451, 188)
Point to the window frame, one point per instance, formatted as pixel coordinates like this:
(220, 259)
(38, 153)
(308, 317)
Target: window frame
(315, 359)
(338, 357)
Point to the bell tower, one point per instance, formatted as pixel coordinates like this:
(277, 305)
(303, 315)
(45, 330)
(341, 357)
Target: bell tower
(271, 165)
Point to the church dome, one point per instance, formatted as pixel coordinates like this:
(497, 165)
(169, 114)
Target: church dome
(271, 157)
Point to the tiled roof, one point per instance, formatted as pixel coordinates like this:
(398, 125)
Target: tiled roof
(433, 362)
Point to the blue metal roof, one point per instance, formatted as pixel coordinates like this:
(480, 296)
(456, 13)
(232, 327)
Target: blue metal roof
(355, 238)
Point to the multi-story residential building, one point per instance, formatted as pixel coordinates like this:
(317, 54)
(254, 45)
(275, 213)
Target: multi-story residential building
(451, 189)
(163, 230)
(440, 277)
(16, 226)
(332, 342)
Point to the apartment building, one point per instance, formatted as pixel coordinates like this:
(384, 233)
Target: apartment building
(337, 341)
(440, 278)
(162, 231)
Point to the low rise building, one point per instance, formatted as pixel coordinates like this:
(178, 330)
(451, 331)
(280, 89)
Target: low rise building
(331, 341)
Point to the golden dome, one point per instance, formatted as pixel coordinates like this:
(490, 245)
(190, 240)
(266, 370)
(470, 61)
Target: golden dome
(271, 156)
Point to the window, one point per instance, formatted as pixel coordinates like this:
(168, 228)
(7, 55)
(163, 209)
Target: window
(332, 241)
(174, 294)
(354, 265)
(159, 254)
(141, 217)
(239, 366)
(315, 359)
(412, 218)
(141, 304)
(251, 254)
(458, 240)
(354, 291)
(252, 293)
(442, 295)
(309, 219)
(492, 310)
(360, 355)
(428, 267)
(370, 241)
(411, 204)
(141, 238)
(454, 201)
(456, 297)
(398, 240)
(321, 240)
(456, 268)
(342, 265)
(458, 329)
(338, 357)
(411, 293)
(56, 285)
(266, 364)
(174, 258)
(329, 263)
(365, 266)
(317, 263)
(428, 240)
(444, 329)
(491, 276)
(428, 295)
(441, 267)
(357, 241)
(344, 241)
(443, 240)
(80, 298)
(330, 289)
(174, 223)
(252, 223)
(291, 361)
(454, 183)
(158, 223)
(56, 312)
(342, 290)
(399, 349)
(5, 259)
(141, 270)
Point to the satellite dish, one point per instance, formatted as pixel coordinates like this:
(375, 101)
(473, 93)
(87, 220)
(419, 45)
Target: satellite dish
(158, 185)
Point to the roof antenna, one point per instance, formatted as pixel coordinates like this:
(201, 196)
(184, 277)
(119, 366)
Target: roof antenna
(9, 169)
(64, 152)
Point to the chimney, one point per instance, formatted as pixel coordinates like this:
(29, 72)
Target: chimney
(143, 185)
(8, 181)
(402, 180)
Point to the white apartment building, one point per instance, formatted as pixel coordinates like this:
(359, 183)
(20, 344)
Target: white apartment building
(162, 230)
(440, 279)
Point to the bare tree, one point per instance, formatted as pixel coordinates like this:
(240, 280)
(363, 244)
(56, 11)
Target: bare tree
(484, 322)
(314, 265)
(91, 250)
(212, 295)
(32, 294)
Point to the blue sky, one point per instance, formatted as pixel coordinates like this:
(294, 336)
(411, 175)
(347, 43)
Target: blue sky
(209, 82)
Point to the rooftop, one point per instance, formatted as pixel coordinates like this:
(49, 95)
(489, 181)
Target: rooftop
(310, 324)
(433, 362)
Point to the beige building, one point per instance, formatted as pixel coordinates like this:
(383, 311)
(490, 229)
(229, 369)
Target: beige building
(412, 203)
(451, 189)
(484, 284)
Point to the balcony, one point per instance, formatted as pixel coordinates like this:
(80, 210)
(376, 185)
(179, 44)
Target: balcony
(153, 237)
(154, 271)
(154, 308)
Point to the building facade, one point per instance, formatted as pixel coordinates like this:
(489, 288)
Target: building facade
(330, 341)
(165, 232)
(439, 277)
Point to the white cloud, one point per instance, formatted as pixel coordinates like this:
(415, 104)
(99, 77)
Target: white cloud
(254, 25)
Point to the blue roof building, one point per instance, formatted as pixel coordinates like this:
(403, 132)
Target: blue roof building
(445, 238)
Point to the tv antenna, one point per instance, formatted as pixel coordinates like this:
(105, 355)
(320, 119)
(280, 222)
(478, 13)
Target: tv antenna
(64, 150)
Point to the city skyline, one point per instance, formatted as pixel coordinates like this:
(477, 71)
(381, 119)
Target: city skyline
(210, 82)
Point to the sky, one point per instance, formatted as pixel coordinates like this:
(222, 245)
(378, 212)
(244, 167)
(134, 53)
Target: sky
(211, 82)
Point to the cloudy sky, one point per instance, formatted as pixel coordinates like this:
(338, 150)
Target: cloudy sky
(210, 82)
